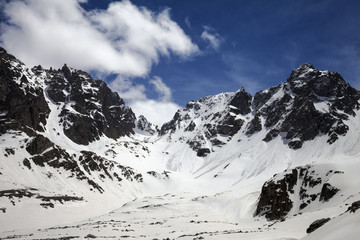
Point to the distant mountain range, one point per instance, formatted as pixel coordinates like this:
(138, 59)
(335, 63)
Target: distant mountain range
(70, 150)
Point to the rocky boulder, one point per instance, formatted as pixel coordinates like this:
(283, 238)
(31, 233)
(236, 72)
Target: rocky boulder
(316, 224)
(354, 206)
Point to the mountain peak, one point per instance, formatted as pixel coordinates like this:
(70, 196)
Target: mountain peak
(305, 71)
(144, 126)
(242, 89)
(311, 82)
(2, 51)
(305, 66)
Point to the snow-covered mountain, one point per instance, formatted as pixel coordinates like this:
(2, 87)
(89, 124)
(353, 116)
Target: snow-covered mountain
(226, 166)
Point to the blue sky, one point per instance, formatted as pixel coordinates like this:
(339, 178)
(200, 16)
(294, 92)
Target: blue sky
(261, 42)
(213, 46)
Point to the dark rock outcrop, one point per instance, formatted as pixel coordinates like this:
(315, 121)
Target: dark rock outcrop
(275, 201)
(254, 125)
(209, 118)
(144, 125)
(90, 108)
(171, 125)
(262, 97)
(327, 192)
(96, 167)
(38, 145)
(22, 103)
(45, 201)
(93, 163)
(241, 102)
(27, 163)
(316, 224)
(58, 158)
(203, 152)
(354, 206)
(190, 127)
(294, 113)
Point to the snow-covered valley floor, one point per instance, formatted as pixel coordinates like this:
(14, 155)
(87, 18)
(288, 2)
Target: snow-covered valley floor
(180, 216)
(191, 215)
(177, 216)
(181, 206)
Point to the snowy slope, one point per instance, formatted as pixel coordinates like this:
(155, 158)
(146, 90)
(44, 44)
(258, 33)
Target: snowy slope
(44, 171)
(285, 119)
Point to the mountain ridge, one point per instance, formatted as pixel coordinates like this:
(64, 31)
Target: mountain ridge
(68, 142)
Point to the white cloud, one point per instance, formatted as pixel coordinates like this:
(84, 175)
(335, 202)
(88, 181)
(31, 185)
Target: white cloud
(212, 37)
(122, 39)
(128, 90)
(157, 112)
(161, 88)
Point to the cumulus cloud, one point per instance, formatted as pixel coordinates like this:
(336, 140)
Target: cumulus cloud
(162, 89)
(160, 110)
(212, 37)
(123, 39)
(157, 111)
(128, 90)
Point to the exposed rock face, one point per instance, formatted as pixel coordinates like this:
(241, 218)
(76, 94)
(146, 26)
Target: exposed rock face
(93, 163)
(242, 102)
(254, 125)
(58, 158)
(96, 167)
(210, 118)
(214, 122)
(38, 145)
(203, 152)
(276, 194)
(85, 109)
(327, 192)
(89, 108)
(145, 126)
(274, 202)
(316, 224)
(171, 126)
(310, 103)
(22, 103)
(190, 127)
